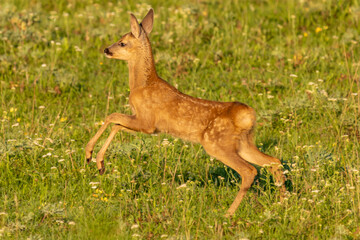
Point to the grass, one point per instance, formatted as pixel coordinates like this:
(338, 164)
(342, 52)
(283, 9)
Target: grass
(295, 62)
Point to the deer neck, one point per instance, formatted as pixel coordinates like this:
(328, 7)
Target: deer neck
(142, 68)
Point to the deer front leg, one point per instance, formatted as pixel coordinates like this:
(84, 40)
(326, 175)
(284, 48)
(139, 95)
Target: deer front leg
(123, 122)
(90, 146)
(101, 153)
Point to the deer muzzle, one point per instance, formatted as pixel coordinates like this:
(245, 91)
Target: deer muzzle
(107, 52)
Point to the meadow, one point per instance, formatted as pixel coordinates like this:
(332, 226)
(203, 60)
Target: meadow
(295, 62)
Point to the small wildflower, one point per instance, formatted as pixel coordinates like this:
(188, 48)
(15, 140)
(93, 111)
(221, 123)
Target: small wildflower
(306, 34)
(43, 65)
(71, 223)
(165, 142)
(293, 76)
(77, 49)
(318, 29)
(181, 186)
(134, 226)
(324, 93)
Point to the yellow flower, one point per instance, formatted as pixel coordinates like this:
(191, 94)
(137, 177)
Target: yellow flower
(18, 119)
(63, 119)
(95, 195)
(305, 34)
(318, 29)
(101, 63)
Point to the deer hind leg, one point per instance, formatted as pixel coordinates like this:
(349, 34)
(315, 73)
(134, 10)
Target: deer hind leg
(248, 151)
(229, 156)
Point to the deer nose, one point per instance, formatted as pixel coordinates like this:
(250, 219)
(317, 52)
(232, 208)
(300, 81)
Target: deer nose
(106, 50)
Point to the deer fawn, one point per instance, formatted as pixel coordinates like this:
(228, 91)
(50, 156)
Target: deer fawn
(224, 129)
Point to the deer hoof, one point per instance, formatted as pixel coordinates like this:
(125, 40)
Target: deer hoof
(101, 171)
(88, 159)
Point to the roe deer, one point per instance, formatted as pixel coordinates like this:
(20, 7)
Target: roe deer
(224, 129)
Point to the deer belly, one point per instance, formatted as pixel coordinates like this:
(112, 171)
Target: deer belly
(184, 127)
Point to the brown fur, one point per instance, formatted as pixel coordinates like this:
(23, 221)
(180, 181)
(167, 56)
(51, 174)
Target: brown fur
(225, 129)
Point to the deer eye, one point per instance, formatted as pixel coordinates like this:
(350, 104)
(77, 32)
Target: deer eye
(122, 44)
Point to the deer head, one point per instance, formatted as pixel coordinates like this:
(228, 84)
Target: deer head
(135, 42)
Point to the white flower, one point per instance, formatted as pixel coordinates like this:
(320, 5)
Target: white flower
(181, 186)
(94, 183)
(134, 226)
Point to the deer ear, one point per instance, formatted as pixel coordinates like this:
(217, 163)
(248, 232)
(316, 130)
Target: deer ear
(135, 27)
(147, 22)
